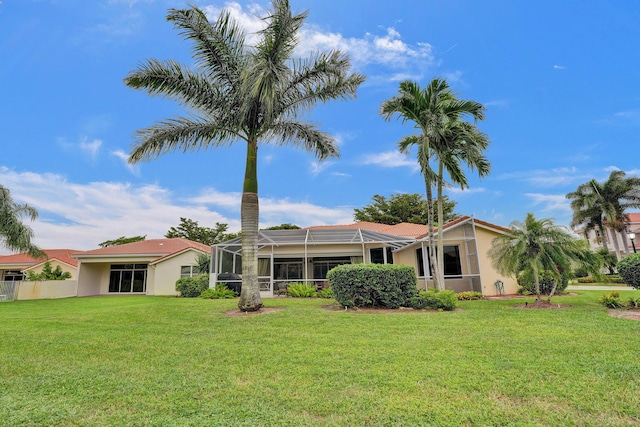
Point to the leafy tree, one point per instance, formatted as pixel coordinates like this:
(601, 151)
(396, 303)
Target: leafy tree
(608, 259)
(629, 270)
(442, 137)
(204, 263)
(537, 246)
(605, 204)
(121, 241)
(14, 234)
(399, 208)
(190, 230)
(242, 93)
(285, 226)
(49, 273)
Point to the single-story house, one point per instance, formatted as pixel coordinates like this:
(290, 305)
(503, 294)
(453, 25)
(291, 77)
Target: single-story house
(13, 268)
(306, 255)
(148, 267)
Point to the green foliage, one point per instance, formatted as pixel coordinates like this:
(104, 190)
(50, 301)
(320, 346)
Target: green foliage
(469, 295)
(373, 285)
(48, 273)
(326, 293)
(614, 278)
(547, 280)
(14, 234)
(221, 291)
(192, 287)
(204, 263)
(121, 241)
(190, 230)
(401, 208)
(608, 259)
(586, 280)
(285, 226)
(301, 290)
(611, 300)
(439, 300)
(633, 302)
(580, 272)
(629, 270)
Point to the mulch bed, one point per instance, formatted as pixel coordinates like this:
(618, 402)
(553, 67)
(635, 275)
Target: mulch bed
(263, 310)
(632, 314)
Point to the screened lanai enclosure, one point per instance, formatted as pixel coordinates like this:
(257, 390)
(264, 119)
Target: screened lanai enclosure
(304, 255)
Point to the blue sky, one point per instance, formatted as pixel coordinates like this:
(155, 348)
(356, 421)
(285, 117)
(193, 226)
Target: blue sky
(560, 81)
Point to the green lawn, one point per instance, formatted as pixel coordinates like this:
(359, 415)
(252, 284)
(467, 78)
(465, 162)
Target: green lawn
(167, 361)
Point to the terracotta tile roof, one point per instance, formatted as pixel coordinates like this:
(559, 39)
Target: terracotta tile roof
(64, 255)
(158, 247)
(406, 229)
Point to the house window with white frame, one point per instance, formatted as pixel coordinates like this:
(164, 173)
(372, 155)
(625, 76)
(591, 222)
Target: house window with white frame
(189, 271)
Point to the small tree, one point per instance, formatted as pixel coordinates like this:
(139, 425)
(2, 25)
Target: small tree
(48, 273)
(629, 270)
(190, 230)
(399, 208)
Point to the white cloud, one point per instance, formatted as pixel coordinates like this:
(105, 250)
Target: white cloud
(390, 159)
(91, 148)
(316, 167)
(551, 202)
(628, 117)
(551, 177)
(458, 192)
(559, 67)
(388, 49)
(134, 169)
(79, 216)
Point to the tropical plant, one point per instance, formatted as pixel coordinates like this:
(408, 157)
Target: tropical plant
(192, 287)
(599, 206)
(539, 245)
(611, 300)
(301, 290)
(49, 273)
(412, 208)
(204, 263)
(442, 137)
(608, 259)
(241, 93)
(14, 234)
(221, 291)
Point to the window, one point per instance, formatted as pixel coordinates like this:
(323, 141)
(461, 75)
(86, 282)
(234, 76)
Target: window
(13, 276)
(321, 266)
(128, 278)
(377, 255)
(189, 271)
(452, 265)
(287, 268)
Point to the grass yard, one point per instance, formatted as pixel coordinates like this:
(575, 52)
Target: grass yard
(150, 361)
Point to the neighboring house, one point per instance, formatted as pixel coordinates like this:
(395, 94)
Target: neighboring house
(306, 255)
(148, 267)
(595, 238)
(14, 268)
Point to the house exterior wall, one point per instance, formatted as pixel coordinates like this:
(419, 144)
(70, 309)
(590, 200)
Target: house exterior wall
(162, 277)
(55, 263)
(93, 278)
(488, 274)
(47, 289)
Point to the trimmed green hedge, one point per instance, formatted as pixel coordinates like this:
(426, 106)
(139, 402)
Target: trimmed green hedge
(192, 287)
(629, 270)
(373, 285)
(439, 300)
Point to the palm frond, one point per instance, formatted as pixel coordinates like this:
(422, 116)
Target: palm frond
(307, 136)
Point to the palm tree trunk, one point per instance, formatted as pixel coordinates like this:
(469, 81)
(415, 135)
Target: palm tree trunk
(536, 279)
(249, 216)
(603, 237)
(433, 257)
(440, 250)
(553, 290)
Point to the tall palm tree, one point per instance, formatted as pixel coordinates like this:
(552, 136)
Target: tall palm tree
(605, 204)
(539, 245)
(437, 115)
(241, 93)
(14, 234)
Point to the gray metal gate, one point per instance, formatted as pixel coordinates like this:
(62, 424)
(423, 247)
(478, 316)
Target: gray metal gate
(8, 291)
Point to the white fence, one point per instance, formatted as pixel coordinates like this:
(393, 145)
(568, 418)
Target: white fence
(28, 290)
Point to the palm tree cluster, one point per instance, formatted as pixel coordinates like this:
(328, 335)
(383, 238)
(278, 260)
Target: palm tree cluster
(14, 234)
(237, 92)
(444, 143)
(602, 207)
(539, 245)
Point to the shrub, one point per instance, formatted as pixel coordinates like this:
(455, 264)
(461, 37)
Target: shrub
(611, 300)
(439, 300)
(580, 272)
(629, 270)
(633, 302)
(586, 280)
(546, 279)
(614, 278)
(325, 293)
(301, 290)
(373, 285)
(221, 291)
(192, 287)
(469, 295)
